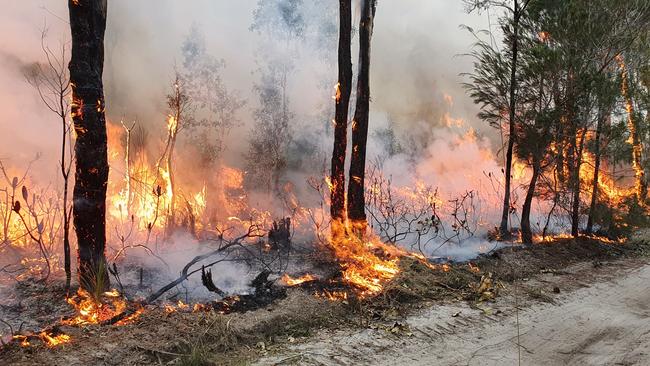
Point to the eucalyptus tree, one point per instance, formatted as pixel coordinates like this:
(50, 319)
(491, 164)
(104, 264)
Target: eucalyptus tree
(356, 194)
(281, 25)
(87, 28)
(515, 10)
(342, 99)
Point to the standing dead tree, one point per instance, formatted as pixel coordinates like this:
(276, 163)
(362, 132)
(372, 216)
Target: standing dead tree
(52, 82)
(87, 26)
(127, 164)
(356, 201)
(179, 104)
(342, 97)
(174, 103)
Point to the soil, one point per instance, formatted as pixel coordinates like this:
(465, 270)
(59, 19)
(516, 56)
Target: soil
(600, 317)
(578, 302)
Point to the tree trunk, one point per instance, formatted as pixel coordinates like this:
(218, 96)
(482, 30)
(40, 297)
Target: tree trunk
(526, 232)
(503, 228)
(65, 173)
(635, 140)
(575, 184)
(337, 188)
(127, 168)
(356, 198)
(171, 189)
(594, 184)
(87, 25)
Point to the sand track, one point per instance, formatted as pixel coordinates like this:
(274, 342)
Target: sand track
(603, 320)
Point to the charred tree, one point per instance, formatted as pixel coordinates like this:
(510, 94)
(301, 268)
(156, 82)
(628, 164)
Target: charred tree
(180, 117)
(342, 97)
(594, 184)
(577, 148)
(356, 198)
(87, 26)
(127, 165)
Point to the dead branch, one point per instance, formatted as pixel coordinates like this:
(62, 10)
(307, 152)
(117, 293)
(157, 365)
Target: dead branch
(253, 231)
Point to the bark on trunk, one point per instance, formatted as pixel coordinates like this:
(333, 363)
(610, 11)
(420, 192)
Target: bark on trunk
(503, 228)
(65, 173)
(635, 140)
(594, 183)
(171, 194)
(337, 189)
(87, 25)
(127, 168)
(356, 197)
(526, 231)
(575, 185)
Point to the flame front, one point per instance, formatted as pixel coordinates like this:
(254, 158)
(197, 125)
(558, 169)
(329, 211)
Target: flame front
(367, 263)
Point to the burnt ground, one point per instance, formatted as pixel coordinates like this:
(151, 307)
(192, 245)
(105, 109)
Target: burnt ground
(538, 275)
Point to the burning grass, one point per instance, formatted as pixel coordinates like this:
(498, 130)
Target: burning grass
(92, 310)
(183, 335)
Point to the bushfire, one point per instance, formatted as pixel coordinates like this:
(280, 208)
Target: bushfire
(147, 202)
(98, 309)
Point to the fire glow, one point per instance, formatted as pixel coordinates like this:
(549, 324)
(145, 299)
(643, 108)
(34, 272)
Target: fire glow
(91, 310)
(289, 281)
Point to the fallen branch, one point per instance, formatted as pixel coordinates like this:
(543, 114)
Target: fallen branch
(253, 231)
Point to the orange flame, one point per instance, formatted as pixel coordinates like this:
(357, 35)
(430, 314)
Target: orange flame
(366, 261)
(289, 281)
(95, 311)
(53, 341)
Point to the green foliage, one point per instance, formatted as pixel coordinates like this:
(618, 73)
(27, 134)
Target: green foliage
(568, 85)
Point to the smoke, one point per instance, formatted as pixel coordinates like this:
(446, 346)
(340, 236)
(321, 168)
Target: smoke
(415, 83)
(415, 58)
(230, 276)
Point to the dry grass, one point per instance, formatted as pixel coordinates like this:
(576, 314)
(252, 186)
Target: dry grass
(209, 338)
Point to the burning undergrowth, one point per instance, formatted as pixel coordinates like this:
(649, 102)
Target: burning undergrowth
(227, 338)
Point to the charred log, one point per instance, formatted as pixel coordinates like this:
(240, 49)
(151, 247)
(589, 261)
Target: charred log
(265, 293)
(280, 234)
(206, 279)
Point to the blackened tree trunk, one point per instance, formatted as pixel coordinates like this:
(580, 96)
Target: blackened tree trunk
(526, 231)
(356, 198)
(343, 90)
(575, 183)
(594, 184)
(87, 25)
(65, 172)
(503, 228)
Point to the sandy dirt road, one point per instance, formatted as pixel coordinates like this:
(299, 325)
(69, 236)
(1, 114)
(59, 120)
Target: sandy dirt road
(601, 321)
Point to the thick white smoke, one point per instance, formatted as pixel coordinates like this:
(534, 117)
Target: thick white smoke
(415, 82)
